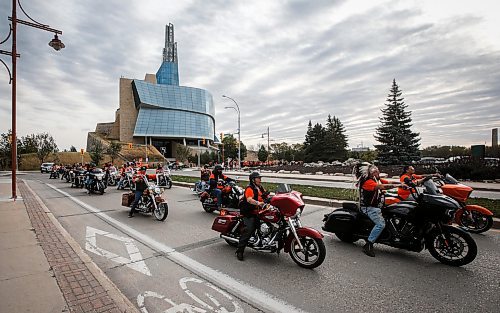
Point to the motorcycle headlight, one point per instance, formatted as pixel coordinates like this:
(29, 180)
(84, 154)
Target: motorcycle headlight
(157, 190)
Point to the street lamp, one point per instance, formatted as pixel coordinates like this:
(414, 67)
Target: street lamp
(268, 148)
(237, 109)
(54, 43)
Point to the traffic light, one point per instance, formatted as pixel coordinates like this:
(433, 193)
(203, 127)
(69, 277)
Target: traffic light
(82, 151)
(221, 136)
(130, 145)
(203, 141)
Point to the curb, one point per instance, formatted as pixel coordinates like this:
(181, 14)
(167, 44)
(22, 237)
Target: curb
(322, 201)
(121, 301)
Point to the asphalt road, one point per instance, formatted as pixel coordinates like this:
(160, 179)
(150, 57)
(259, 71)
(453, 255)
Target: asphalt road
(322, 183)
(203, 275)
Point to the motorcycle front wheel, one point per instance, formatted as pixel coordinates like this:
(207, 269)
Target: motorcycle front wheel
(476, 222)
(161, 212)
(453, 247)
(312, 256)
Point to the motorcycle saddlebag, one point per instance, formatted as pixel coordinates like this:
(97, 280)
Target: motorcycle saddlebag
(224, 224)
(339, 221)
(128, 198)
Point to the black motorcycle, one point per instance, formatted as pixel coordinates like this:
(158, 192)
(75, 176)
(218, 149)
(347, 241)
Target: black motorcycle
(77, 178)
(54, 174)
(95, 182)
(411, 225)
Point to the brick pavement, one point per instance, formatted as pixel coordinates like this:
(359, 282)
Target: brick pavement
(82, 290)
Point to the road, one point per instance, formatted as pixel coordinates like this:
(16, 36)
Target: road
(182, 265)
(322, 183)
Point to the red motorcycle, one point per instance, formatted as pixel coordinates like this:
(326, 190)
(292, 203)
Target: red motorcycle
(473, 218)
(280, 228)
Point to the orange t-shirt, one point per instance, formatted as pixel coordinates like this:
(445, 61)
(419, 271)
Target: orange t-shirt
(405, 193)
(249, 193)
(370, 184)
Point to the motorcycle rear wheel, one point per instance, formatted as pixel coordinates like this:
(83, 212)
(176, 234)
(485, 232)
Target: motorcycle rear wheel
(168, 185)
(479, 224)
(161, 212)
(314, 247)
(458, 249)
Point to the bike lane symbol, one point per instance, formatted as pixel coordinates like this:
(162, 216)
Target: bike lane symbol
(214, 306)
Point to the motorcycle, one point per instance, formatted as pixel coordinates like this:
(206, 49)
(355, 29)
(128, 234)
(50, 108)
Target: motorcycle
(163, 179)
(200, 187)
(54, 174)
(112, 178)
(128, 182)
(474, 218)
(279, 229)
(151, 201)
(95, 182)
(78, 179)
(231, 194)
(411, 225)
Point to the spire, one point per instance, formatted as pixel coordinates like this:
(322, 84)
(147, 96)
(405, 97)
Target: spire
(168, 73)
(170, 50)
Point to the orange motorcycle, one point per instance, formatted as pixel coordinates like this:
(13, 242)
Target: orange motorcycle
(473, 218)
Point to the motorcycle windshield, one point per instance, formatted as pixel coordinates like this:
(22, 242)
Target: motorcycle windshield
(450, 179)
(283, 188)
(430, 187)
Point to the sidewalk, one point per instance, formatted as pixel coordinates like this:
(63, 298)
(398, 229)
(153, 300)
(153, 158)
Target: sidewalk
(42, 269)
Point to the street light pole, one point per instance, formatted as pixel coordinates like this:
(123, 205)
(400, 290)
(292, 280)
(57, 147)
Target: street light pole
(239, 128)
(54, 43)
(268, 147)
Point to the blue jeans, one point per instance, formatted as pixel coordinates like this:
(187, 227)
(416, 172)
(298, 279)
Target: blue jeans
(138, 195)
(375, 214)
(218, 193)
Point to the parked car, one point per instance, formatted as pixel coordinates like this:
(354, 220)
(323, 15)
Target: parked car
(46, 167)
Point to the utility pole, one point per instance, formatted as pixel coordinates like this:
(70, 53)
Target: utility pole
(268, 146)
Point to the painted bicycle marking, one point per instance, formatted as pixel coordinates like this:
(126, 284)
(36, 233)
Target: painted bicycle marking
(204, 307)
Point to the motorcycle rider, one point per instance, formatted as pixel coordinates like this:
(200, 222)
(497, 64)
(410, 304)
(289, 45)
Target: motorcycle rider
(409, 174)
(204, 178)
(249, 206)
(140, 186)
(371, 186)
(213, 179)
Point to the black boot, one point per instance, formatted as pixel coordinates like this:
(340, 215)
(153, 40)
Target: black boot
(239, 254)
(368, 249)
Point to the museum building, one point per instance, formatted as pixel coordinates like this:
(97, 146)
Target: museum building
(159, 111)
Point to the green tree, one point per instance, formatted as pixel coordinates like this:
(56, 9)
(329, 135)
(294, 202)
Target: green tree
(262, 154)
(113, 150)
(335, 143)
(314, 143)
(182, 153)
(45, 145)
(231, 147)
(398, 143)
(96, 152)
(73, 149)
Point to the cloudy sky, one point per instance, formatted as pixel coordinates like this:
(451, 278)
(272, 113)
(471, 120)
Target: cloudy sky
(284, 62)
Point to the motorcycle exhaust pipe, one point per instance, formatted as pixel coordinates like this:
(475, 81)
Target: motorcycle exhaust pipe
(235, 240)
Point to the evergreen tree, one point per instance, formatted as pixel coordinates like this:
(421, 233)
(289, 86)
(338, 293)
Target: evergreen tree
(314, 144)
(335, 146)
(262, 154)
(398, 144)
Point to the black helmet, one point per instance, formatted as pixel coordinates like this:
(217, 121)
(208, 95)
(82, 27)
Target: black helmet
(254, 175)
(218, 168)
(143, 168)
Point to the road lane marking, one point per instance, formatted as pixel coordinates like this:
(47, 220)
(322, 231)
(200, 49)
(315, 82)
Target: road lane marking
(136, 261)
(256, 296)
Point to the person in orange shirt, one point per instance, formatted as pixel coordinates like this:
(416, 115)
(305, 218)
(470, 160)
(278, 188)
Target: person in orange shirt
(409, 174)
(371, 186)
(252, 200)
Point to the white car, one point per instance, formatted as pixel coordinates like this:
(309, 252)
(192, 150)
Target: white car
(46, 167)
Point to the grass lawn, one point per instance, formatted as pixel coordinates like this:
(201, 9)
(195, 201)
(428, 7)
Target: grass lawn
(343, 193)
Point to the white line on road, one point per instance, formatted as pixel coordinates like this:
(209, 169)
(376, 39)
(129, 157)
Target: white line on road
(257, 297)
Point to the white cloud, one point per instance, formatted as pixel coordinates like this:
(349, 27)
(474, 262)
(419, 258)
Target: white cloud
(285, 62)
